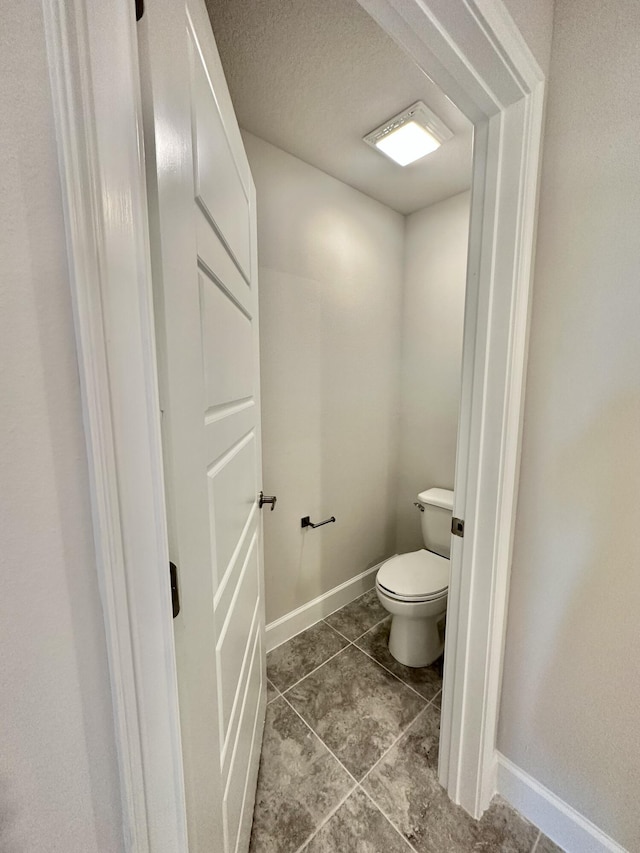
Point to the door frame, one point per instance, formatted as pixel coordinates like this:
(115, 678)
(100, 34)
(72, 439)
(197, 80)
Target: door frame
(474, 52)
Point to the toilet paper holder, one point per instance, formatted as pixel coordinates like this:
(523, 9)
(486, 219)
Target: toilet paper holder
(306, 522)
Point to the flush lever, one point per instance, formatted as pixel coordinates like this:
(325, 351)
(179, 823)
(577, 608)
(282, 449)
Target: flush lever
(267, 499)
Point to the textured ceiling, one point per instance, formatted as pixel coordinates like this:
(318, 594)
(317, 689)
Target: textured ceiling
(314, 76)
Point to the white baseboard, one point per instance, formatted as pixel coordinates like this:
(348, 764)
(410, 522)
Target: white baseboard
(562, 823)
(304, 617)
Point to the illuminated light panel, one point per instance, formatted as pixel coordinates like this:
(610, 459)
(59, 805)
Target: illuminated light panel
(408, 143)
(410, 135)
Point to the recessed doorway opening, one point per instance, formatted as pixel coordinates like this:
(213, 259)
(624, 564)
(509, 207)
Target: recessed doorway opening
(362, 271)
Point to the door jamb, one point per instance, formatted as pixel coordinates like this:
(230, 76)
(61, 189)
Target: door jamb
(475, 53)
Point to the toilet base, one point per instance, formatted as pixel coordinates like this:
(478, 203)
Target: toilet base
(416, 642)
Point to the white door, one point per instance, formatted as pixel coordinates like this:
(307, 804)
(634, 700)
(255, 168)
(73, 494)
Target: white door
(203, 239)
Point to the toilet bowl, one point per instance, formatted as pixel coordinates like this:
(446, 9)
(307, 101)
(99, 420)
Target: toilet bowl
(413, 587)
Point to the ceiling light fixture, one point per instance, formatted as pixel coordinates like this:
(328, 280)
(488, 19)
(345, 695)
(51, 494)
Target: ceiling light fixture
(410, 135)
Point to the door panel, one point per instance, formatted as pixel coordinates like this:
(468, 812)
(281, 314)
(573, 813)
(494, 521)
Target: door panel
(218, 186)
(203, 240)
(213, 255)
(229, 581)
(231, 498)
(225, 328)
(237, 801)
(235, 638)
(227, 424)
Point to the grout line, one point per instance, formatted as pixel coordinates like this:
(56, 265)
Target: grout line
(302, 631)
(397, 677)
(353, 600)
(288, 640)
(278, 693)
(335, 631)
(324, 619)
(357, 785)
(402, 733)
(360, 636)
(315, 669)
(328, 748)
(316, 735)
(427, 702)
(400, 736)
(388, 819)
(326, 820)
(379, 622)
(364, 633)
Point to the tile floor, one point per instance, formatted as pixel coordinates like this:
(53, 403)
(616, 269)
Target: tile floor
(350, 752)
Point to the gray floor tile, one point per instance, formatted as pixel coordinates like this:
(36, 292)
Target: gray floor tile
(357, 826)
(359, 709)
(503, 829)
(358, 616)
(272, 692)
(356, 707)
(299, 783)
(427, 680)
(296, 658)
(546, 845)
(405, 786)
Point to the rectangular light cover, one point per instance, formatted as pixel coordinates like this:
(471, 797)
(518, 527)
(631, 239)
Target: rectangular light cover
(410, 135)
(408, 143)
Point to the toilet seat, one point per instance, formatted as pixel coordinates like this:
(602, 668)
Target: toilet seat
(416, 576)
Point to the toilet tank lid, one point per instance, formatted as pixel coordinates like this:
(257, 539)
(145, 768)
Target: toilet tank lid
(437, 497)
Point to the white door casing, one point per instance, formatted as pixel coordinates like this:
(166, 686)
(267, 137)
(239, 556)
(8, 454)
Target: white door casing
(204, 266)
(477, 56)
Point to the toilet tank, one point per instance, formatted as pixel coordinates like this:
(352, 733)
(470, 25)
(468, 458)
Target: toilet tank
(436, 520)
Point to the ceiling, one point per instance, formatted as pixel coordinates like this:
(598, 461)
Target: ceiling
(314, 76)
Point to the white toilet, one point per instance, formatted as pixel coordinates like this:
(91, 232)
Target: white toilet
(413, 587)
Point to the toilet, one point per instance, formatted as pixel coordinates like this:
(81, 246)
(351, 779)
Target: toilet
(413, 587)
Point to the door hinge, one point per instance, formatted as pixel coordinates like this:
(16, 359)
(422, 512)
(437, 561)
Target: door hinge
(457, 527)
(175, 595)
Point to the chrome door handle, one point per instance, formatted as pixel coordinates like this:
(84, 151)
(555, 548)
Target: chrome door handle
(267, 499)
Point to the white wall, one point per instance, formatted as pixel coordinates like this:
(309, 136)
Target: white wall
(432, 326)
(571, 690)
(330, 281)
(58, 775)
